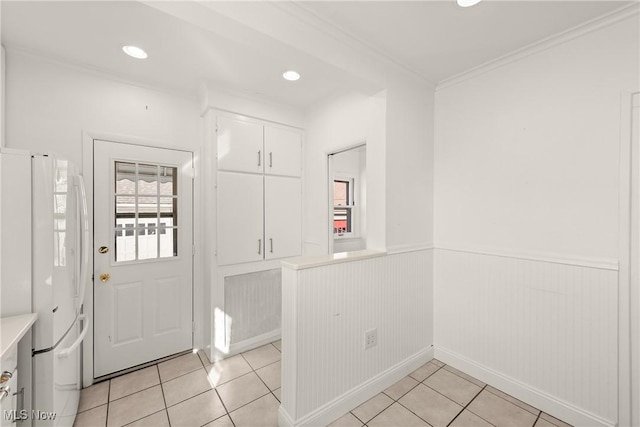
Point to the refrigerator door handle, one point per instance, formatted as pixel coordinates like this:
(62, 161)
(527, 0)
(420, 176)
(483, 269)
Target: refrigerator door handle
(67, 351)
(84, 240)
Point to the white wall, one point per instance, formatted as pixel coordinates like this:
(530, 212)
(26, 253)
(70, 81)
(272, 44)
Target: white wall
(526, 215)
(341, 122)
(530, 149)
(409, 163)
(49, 105)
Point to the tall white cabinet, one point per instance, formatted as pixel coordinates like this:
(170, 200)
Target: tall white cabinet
(258, 191)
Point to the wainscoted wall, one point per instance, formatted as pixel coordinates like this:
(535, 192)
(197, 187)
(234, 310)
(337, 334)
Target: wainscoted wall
(253, 304)
(542, 330)
(326, 310)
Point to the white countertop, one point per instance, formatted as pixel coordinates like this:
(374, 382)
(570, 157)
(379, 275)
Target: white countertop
(13, 328)
(303, 262)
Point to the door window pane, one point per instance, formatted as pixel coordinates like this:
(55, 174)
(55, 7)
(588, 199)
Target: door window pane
(125, 178)
(148, 243)
(168, 181)
(146, 211)
(125, 239)
(147, 179)
(168, 241)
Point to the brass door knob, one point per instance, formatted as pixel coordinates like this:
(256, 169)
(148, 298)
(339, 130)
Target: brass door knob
(6, 376)
(103, 249)
(105, 277)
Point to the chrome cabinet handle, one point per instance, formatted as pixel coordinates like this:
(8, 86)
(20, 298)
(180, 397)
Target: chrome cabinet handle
(270, 160)
(271, 243)
(4, 392)
(259, 157)
(259, 246)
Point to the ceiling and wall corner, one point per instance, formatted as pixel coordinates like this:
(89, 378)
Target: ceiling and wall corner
(245, 46)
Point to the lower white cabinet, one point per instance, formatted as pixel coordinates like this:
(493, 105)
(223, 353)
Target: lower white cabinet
(282, 217)
(240, 224)
(259, 217)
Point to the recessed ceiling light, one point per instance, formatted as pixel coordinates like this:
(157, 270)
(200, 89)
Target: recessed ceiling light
(467, 3)
(291, 75)
(135, 52)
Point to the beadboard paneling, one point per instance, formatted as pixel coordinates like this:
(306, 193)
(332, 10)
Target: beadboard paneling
(548, 326)
(252, 303)
(326, 311)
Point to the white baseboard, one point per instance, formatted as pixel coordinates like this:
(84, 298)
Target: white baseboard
(537, 398)
(254, 342)
(284, 419)
(359, 394)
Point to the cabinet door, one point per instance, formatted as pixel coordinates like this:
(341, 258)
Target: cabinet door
(283, 218)
(282, 149)
(240, 146)
(239, 207)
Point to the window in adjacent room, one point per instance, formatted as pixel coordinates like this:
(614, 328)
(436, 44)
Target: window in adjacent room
(343, 206)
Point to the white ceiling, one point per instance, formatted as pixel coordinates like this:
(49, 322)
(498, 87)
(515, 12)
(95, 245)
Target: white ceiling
(438, 39)
(245, 46)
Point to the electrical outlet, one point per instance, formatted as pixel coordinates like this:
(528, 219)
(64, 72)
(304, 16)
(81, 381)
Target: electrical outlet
(370, 338)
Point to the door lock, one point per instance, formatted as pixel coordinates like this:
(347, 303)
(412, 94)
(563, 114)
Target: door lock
(105, 277)
(103, 249)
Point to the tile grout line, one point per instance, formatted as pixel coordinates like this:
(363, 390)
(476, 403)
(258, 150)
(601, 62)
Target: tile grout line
(164, 399)
(421, 382)
(224, 406)
(106, 419)
(398, 399)
(265, 384)
(467, 405)
(513, 403)
(536, 421)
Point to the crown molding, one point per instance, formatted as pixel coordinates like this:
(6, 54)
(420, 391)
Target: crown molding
(307, 16)
(547, 43)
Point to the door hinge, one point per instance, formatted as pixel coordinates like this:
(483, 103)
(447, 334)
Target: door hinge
(193, 327)
(193, 250)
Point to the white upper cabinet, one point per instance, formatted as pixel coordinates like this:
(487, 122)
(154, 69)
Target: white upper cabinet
(282, 217)
(240, 223)
(259, 200)
(282, 151)
(240, 145)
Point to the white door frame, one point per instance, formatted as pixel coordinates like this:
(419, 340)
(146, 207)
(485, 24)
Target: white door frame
(626, 307)
(88, 137)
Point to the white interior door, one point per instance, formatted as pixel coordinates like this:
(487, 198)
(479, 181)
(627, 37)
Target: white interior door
(143, 254)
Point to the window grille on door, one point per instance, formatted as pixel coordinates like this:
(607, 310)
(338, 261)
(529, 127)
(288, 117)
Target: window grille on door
(146, 211)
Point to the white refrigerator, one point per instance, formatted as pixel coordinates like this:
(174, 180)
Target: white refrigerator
(59, 275)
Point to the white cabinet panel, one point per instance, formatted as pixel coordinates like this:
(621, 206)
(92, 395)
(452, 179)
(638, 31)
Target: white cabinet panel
(240, 146)
(282, 217)
(240, 230)
(282, 149)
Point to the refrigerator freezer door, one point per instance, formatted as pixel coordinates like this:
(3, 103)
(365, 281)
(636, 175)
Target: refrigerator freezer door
(55, 248)
(57, 381)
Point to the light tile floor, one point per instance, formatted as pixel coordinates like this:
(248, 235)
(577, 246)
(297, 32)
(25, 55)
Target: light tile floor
(244, 390)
